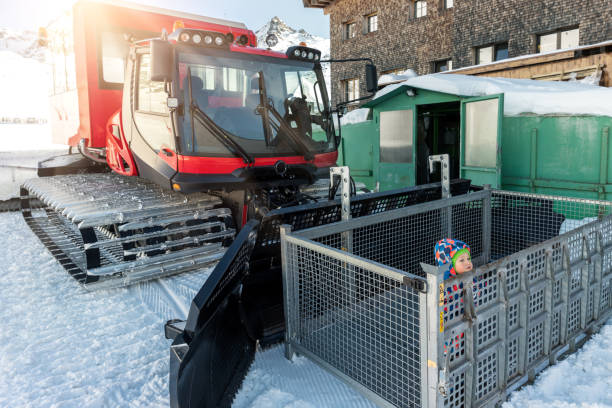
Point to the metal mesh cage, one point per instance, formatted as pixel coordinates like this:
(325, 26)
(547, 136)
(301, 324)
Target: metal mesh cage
(357, 304)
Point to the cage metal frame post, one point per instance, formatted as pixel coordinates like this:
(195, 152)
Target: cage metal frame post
(288, 293)
(435, 373)
(343, 173)
(447, 214)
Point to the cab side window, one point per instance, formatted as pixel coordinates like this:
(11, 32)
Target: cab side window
(151, 94)
(151, 113)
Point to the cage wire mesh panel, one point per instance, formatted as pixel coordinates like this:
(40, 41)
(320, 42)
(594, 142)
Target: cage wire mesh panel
(404, 238)
(543, 279)
(360, 322)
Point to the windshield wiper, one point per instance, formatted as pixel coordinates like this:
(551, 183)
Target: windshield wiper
(282, 125)
(218, 132)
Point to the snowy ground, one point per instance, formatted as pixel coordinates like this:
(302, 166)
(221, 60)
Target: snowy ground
(21, 148)
(63, 346)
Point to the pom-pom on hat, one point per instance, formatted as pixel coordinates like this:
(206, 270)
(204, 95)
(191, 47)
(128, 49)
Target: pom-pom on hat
(447, 251)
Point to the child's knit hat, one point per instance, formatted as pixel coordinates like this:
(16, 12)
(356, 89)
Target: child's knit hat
(447, 251)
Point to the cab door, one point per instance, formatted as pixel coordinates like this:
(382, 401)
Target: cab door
(396, 168)
(152, 142)
(481, 127)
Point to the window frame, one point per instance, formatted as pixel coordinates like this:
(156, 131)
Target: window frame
(494, 48)
(346, 91)
(449, 64)
(369, 18)
(558, 33)
(446, 6)
(139, 56)
(422, 9)
(346, 30)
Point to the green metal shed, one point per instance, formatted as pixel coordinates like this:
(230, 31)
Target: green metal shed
(522, 135)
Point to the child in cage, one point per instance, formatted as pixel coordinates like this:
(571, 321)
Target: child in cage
(457, 255)
(454, 253)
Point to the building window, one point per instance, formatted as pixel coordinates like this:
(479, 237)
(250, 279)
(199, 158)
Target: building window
(558, 40)
(448, 4)
(351, 89)
(443, 65)
(395, 71)
(372, 23)
(490, 53)
(350, 30)
(420, 8)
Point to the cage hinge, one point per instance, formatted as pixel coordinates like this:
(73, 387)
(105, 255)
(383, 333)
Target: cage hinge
(415, 283)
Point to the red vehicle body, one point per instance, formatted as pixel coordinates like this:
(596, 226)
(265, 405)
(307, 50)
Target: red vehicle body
(99, 33)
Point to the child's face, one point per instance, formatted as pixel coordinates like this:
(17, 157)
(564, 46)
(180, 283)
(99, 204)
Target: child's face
(463, 263)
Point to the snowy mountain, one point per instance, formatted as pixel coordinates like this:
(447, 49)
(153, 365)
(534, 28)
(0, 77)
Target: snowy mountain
(288, 36)
(24, 43)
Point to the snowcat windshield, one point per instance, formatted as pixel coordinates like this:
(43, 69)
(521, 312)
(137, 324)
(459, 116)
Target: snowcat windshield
(226, 86)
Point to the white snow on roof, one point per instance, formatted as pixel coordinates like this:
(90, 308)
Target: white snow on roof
(520, 95)
(527, 56)
(355, 116)
(392, 78)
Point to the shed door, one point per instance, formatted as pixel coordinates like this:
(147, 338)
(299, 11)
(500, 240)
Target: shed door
(396, 165)
(481, 127)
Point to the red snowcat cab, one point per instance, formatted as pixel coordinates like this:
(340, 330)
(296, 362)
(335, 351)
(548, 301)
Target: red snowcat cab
(199, 111)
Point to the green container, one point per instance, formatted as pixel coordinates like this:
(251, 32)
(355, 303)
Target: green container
(566, 155)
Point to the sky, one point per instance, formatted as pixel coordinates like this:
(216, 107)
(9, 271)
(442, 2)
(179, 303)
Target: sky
(31, 14)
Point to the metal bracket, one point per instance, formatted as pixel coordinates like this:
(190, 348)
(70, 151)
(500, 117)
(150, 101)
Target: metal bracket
(345, 188)
(445, 169)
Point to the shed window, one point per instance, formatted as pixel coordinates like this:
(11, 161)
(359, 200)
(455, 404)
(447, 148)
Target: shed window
(396, 136)
(481, 133)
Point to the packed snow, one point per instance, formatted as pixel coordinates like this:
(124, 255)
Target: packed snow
(22, 146)
(63, 346)
(387, 79)
(520, 95)
(355, 116)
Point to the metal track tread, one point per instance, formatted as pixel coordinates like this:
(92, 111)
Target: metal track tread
(107, 230)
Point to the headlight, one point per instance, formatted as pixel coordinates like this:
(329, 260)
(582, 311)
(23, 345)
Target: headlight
(208, 39)
(304, 54)
(297, 52)
(218, 40)
(311, 55)
(197, 38)
(184, 37)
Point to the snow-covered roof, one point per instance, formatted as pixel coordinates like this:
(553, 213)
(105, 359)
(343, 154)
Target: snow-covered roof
(505, 61)
(520, 95)
(386, 79)
(355, 116)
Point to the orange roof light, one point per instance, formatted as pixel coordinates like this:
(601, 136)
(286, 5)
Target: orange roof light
(177, 24)
(303, 44)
